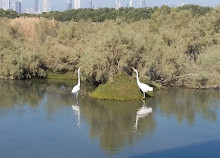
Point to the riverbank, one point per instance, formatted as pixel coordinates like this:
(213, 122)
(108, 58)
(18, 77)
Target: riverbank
(173, 47)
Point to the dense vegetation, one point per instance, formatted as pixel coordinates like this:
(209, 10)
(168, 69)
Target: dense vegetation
(127, 14)
(173, 46)
(102, 14)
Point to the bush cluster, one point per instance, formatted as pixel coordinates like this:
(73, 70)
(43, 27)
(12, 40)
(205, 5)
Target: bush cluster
(173, 46)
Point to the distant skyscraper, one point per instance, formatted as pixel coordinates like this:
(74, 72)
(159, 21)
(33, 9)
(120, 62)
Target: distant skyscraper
(90, 4)
(1, 4)
(18, 7)
(77, 4)
(142, 4)
(45, 8)
(69, 4)
(36, 6)
(96, 6)
(117, 5)
(6, 4)
(131, 3)
(41, 8)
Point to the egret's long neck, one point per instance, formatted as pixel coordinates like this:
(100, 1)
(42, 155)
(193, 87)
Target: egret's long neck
(137, 78)
(78, 77)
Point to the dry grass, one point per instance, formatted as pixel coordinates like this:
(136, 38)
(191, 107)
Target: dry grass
(26, 25)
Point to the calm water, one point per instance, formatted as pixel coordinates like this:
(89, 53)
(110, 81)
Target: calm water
(41, 119)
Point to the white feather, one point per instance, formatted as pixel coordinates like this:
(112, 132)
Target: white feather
(144, 87)
(76, 88)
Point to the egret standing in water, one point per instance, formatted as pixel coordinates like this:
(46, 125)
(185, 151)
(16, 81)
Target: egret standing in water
(76, 88)
(144, 87)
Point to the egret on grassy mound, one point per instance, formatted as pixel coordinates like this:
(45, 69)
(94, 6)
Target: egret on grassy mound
(144, 87)
(76, 88)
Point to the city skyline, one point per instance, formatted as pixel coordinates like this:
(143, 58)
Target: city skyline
(61, 5)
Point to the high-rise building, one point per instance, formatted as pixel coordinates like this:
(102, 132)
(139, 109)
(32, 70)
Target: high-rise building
(36, 6)
(117, 5)
(142, 4)
(5, 4)
(45, 7)
(18, 7)
(90, 4)
(96, 6)
(69, 4)
(41, 8)
(131, 3)
(1, 4)
(77, 4)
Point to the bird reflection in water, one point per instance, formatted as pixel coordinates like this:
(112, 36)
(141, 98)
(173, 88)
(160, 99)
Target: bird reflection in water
(76, 110)
(76, 107)
(142, 112)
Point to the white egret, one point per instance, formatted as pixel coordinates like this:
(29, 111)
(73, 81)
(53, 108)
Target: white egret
(76, 88)
(144, 87)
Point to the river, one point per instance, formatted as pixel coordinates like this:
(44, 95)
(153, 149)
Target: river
(42, 119)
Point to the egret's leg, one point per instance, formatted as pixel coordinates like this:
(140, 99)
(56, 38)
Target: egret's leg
(76, 95)
(144, 96)
(77, 98)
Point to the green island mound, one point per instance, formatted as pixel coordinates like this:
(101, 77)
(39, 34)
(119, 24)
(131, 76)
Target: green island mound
(123, 88)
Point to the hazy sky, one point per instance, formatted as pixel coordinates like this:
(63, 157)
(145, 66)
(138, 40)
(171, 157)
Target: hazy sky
(61, 4)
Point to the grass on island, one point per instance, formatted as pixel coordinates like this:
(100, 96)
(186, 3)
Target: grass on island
(123, 88)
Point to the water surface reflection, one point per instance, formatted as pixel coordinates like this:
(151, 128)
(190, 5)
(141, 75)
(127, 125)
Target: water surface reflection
(116, 126)
(141, 113)
(113, 123)
(76, 109)
(187, 104)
